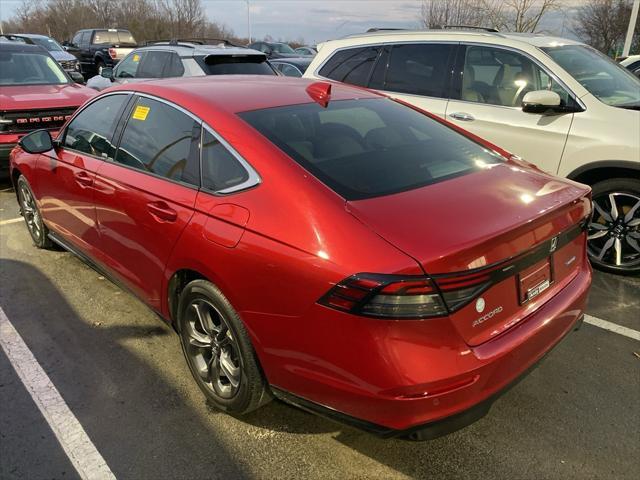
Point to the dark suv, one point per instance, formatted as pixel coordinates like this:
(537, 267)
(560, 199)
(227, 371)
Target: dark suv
(100, 47)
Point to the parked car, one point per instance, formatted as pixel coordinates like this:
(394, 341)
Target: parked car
(292, 67)
(35, 93)
(555, 102)
(274, 49)
(182, 59)
(65, 59)
(416, 272)
(100, 47)
(632, 63)
(307, 51)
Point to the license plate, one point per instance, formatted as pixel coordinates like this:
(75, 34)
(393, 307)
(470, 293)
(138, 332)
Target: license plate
(534, 280)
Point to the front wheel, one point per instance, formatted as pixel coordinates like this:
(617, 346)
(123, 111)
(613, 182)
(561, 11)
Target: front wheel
(614, 231)
(32, 217)
(218, 350)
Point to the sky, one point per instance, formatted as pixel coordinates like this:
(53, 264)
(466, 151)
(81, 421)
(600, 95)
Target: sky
(319, 20)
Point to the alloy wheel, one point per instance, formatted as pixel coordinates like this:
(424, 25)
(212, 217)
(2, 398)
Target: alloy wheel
(30, 212)
(614, 230)
(212, 349)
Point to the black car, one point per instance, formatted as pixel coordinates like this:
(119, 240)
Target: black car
(100, 47)
(274, 49)
(292, 67)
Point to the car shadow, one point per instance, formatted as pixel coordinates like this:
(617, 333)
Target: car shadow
(132, 415)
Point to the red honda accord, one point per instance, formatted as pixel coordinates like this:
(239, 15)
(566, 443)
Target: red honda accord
(317, 242)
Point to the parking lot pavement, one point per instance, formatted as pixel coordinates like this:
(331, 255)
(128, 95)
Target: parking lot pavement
(121, 372)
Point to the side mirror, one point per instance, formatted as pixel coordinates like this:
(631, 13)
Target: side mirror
(541, 101)
(107, 72)
(76, 76)
(38, 141)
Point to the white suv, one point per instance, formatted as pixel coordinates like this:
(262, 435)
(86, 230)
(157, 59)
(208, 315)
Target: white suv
(556, 103)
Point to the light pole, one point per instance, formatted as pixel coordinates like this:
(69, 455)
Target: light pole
(249, 20)
(632, 26)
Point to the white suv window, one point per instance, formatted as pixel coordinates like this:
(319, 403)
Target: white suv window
(502, 77)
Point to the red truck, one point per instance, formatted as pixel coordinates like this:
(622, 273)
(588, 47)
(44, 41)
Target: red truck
(35, 92)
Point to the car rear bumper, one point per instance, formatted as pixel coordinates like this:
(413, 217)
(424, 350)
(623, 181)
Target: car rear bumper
(476, 376)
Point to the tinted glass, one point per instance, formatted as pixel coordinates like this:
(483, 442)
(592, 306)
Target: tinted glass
(174, 66)
(281, 48)
(220, 169)
(119, 37)
(152, 65)
(128, 67)
(289, 70)
(236, 65)
(92, 129)
(606, 80)
(22, 68)
(85, 38)
(502, 77)
(352, 65)
(77, 38)
(420, 69)
(368, 148)
(48, 43)
(160, 139)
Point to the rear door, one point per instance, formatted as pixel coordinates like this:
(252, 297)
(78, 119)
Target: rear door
(487, 101)
(145, 198)
(418, 73)
(66, 175)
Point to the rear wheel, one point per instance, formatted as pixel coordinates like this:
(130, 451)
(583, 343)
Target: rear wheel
(29, 209)
(614, 230)
(218, 350)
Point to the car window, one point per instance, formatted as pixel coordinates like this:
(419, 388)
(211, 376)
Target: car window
(419, 69)
(128, 67)
(502, 77)
(220, 169)
(115, 37)
(160, 139)
(235, 65)
(352, 65)
(92, 129)
(152, 64)
(370, 147)
(85, 38)
(174, 66)
(290, 70)
(30, 68)
(76, 38)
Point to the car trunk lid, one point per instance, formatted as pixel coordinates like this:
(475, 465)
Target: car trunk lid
(497, 242)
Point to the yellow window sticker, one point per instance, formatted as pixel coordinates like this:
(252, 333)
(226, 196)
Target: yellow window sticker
(136, 57)
(140, 113)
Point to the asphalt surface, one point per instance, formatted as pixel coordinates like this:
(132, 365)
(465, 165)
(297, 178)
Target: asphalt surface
(121, 372)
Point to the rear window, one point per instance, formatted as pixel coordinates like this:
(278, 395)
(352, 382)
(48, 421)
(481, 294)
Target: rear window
(235, 65)
(370, 147)
(113, 37)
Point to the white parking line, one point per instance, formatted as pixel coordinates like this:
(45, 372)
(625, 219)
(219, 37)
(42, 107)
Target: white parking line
(612, 327)
(11, 220)
(74, 440)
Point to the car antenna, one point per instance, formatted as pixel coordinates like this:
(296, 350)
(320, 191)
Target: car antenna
(320, 92)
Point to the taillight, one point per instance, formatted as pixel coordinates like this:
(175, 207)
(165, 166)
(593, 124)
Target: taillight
(112, 53)
(386, 296)
(399, 297)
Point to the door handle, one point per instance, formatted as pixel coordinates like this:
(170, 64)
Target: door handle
(162, 211)
(463, 117)
(83, 179)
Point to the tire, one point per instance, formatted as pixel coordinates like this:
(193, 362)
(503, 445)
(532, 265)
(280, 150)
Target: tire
(615, 229)
(218, 350)
(31, 213)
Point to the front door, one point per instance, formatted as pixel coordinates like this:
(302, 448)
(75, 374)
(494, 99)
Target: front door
(145, 198)
(66, 175)
(488, 103)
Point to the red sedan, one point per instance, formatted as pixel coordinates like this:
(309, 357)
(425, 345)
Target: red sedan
(317, 242)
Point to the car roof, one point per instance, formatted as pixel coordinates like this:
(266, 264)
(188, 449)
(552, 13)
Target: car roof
(22, 47)
(239, 93)
(535, 39)
(186, 49)
(28, 35)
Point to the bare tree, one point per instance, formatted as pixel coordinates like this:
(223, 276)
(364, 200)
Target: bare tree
(603, 24)
(518, 15)
(438, 13)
